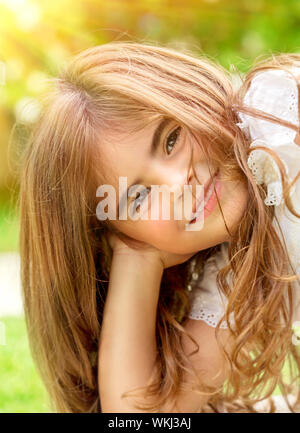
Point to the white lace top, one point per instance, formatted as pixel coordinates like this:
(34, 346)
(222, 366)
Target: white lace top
(275, 92)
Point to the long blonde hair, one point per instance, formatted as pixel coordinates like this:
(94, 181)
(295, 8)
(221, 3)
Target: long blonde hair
(65, 256)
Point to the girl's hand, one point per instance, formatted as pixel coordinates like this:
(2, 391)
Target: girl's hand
(164, 258)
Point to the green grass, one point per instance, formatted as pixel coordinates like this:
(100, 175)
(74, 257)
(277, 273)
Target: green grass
(21, 389)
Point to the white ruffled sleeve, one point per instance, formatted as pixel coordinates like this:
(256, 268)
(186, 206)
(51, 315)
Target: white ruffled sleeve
(275, 92)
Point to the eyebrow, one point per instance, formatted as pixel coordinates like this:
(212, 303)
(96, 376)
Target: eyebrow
(153, 150)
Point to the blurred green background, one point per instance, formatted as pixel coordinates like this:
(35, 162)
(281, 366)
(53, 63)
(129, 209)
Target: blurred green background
(37, 37)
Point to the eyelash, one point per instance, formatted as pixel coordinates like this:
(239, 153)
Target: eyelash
(177, 134)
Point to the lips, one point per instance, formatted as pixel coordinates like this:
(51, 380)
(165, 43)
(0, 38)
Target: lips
(206, 188)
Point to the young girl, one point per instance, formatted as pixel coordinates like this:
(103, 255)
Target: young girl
(149, 315)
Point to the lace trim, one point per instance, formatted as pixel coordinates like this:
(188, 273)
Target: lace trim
(212, 319)
(265, 170)
(275, 92)
(207, 303)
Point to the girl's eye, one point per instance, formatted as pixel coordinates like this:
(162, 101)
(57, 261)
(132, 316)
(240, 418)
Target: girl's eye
(142, 195)
(172, 139)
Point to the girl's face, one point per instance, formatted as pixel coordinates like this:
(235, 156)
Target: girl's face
(160, 154)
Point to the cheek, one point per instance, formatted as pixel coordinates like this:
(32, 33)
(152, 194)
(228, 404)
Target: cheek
(156, 233)
(161, 233)
(162, 229)
(236, 202)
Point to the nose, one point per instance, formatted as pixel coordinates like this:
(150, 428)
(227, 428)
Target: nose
(178, 175)
(172, 175)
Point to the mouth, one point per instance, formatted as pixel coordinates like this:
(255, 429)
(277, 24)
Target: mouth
(208, 191)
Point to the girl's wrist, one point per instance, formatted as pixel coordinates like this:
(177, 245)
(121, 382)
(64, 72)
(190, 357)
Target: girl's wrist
(134, 285)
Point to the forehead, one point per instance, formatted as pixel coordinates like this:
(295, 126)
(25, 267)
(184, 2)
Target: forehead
(124, 152)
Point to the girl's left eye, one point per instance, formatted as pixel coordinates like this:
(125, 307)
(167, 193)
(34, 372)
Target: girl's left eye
(142, 195)
(172, 139)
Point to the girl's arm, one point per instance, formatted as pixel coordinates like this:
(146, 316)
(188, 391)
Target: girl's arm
(127, 348)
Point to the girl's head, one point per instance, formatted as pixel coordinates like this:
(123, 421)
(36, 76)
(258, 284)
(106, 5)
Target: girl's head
(143, 158)
(155, 116)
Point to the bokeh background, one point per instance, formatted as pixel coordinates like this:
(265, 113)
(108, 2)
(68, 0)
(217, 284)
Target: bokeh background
(36, 38)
